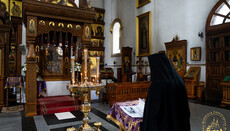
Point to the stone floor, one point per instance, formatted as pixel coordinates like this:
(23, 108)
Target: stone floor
(17, 121)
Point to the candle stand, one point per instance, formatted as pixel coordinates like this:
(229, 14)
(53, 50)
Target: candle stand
(86, 106)
(85, 88)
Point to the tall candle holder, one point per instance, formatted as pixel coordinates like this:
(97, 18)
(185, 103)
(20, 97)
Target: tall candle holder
(85, 87)
(89, 4)
(98, 69)
(85, 64)
(73, 69)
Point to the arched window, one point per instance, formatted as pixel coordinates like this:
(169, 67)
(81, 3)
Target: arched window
(116, 33)
(221, 14)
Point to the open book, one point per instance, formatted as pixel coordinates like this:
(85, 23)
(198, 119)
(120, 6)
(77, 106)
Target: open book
(135, 111)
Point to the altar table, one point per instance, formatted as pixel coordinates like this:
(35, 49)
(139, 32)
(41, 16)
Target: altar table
(124, 121)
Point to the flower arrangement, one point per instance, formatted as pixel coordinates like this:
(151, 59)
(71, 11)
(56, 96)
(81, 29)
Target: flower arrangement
(24, 68)
(77, 67)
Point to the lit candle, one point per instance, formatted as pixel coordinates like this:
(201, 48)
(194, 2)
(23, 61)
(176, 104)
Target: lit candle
(81, 78)
(76, 54)
(73, 71)
(85, 58)
(98, 64)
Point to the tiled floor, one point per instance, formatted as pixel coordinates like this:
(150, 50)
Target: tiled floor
(17, 121)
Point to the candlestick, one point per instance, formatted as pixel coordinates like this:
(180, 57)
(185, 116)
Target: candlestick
(81, 78)
(73, 70)
(76, 54)
(85, 59)
(89, 4)
(98, 68)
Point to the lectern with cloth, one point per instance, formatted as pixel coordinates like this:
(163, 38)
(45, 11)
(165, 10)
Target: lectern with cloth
(12, 82)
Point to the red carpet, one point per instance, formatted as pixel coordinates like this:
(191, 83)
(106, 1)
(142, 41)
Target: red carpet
(56, 104)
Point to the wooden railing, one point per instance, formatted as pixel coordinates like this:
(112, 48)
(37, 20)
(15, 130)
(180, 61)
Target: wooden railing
(126, 91)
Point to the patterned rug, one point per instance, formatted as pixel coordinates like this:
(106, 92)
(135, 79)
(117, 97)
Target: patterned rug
(56, 104)
(12, 109)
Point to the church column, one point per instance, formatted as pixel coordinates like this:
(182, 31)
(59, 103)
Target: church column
(31, 71)
(4, 55)
(31, 83)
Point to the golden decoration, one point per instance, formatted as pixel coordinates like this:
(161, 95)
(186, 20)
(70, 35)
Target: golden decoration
(42, 22)
(78, 27)
(51, 23)
(214, 123)
(37, 48)
(37, 58)
(61, 25)
(69, 26)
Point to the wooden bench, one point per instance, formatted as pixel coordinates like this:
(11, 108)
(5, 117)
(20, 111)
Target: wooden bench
(126, 91)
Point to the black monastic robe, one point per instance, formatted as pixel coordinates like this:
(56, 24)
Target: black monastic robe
(166, 107)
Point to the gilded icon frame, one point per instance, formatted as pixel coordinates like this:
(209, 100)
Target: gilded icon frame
(140, 3)
(176, 52)
(195, 54)
(31, 26)
(87, 32)
(143, 34)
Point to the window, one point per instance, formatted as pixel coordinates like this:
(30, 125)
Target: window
(116, 33)
(222, 14)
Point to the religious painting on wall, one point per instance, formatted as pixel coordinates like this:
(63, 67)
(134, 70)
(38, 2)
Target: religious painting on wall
(97, 30)
(195, 54)
(12, 53)
(176, 52)
(5, 6)
(127, 64)
(31, 26)
(96, 43)
(63, 2)
(87, 32)
(97, 54)
(93, 67)
(100, 17)
(140, 3)
(175, 56)
(143, 38)
(16, 8)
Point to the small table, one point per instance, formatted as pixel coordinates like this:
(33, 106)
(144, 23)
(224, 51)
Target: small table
(13, 82)
(124, 121)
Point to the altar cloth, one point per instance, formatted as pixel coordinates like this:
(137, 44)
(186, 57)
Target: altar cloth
(124, 121)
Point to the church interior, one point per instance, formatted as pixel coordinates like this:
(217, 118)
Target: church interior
(69, 65)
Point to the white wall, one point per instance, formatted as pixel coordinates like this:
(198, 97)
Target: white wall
(184, 18)
(97, 3)
(23, 59)
(127, 12)
(111, 12)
